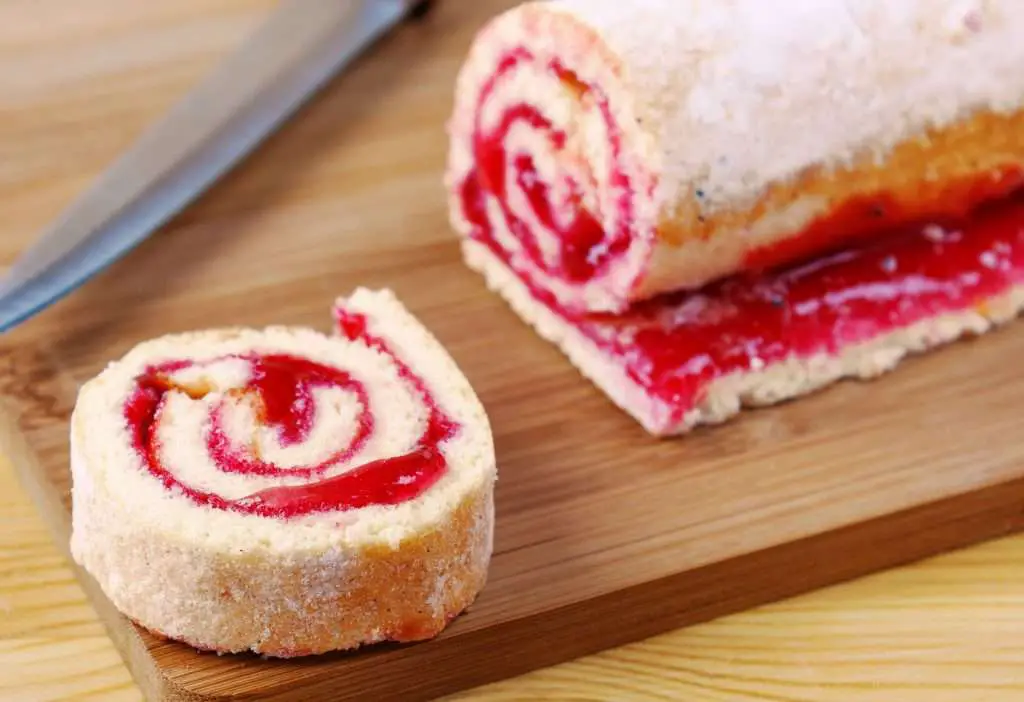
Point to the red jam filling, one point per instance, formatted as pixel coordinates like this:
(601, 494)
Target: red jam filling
(585, 249)
(675, 345)
(283, 386)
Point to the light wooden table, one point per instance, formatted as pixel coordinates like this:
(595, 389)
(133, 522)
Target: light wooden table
(951, 628)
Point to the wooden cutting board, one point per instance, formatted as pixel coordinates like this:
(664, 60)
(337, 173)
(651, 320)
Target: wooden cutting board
(604, 534)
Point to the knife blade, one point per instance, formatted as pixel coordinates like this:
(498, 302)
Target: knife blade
(251, 93)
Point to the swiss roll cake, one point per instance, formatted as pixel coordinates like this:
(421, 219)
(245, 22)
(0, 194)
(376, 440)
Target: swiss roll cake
(715, 205)
(609, 151)
(284, 491)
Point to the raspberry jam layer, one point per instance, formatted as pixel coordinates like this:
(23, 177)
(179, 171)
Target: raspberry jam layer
(673, 347)
(283, 387)
(585, 249)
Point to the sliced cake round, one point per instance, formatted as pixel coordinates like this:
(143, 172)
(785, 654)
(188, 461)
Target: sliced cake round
(284, 491)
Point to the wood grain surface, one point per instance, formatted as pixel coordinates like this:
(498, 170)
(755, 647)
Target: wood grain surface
(605, 536)
(950, 629)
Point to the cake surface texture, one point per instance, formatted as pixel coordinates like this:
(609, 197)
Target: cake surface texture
(284, 491)
(612, 151)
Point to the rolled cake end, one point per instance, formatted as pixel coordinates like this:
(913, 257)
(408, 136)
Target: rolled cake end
(610, 152)
(286, 492)
(547, 166)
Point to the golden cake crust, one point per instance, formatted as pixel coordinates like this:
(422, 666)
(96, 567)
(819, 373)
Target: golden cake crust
(944, 172)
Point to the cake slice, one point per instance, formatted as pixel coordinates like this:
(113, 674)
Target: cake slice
(283, 491)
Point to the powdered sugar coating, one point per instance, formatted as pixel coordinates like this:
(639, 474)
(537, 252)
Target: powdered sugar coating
(720, 86)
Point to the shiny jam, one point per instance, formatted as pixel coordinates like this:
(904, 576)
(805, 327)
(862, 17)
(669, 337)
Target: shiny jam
(284, 386)
(675, 345)
(585, 249)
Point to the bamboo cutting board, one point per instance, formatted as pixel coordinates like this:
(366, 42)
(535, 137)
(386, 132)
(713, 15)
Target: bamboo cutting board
(604, 534)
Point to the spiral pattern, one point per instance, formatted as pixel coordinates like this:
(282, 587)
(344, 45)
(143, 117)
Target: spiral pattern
(287, 436)
(549, 190)
(285, 491)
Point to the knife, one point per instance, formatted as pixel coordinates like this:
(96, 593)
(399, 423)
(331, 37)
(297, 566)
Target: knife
(301, 45)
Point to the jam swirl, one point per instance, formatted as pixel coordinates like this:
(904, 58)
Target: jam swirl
(585, 248)
(283, 387)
